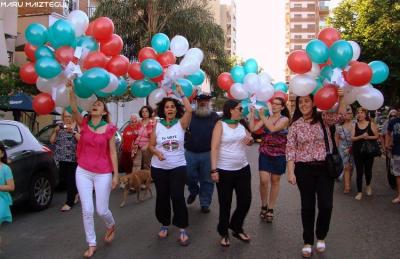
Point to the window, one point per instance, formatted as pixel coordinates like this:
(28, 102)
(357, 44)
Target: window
(10, 57)
(297, 26)
(10, 135)
(311, 36)
(297, 46)
(311, 26)
(297, 36)
(297, 15)
(297, 6)
(311, 15)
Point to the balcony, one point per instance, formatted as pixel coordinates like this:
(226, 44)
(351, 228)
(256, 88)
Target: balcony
(324, 7)
(302, 19)
(91, 10)
(309, 8)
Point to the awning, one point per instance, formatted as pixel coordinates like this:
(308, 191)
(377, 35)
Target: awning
(18, 102)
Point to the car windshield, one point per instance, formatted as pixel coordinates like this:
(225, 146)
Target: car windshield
(10, 135)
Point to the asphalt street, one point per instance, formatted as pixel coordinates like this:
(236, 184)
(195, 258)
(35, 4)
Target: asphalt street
(364, 229)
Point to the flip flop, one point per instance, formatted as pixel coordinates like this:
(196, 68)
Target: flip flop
(180, 240)
(163, 229)
(110, 234)
(239, 236)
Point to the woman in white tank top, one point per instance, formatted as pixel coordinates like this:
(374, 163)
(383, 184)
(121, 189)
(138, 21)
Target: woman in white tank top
(168, 164)
(231, 171)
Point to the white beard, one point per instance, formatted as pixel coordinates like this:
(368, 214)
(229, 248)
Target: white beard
(203, 111)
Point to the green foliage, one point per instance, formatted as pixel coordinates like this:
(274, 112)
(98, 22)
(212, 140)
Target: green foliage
(375, 26)
(10, 82)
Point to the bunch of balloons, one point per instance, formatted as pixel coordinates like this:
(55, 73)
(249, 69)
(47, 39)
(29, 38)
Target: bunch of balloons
(156, 71)
(74, 46)
(329, 62)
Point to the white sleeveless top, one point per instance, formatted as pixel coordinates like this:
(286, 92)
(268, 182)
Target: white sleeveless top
(232, 150)
(170, 141)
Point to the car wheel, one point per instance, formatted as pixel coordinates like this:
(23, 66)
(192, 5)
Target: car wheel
(40, 192)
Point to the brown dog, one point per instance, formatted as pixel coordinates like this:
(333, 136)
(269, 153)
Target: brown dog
(135, 180)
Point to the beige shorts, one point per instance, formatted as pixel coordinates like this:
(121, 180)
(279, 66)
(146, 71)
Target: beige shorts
(395, 163)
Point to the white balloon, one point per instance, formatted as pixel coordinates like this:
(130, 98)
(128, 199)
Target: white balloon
(156, 96)
(356, 49)
(188, 67)
(194, 54)
(251, 82)
(86, 104)
(179, 45)
(79, 21)
(315, 70)
(265, 79)
(112, 85)
(349, 95)
(62, 99)
(44, 85)
(371, 99)
(238, 92)
(173, 72)
(264, 93)
(302, 85)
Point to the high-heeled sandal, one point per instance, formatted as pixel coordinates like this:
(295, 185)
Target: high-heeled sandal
(263, 212)
(269, 216)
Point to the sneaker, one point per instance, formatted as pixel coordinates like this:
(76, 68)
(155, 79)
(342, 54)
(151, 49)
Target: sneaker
(205, 209)
(358, 196)
(191, 199)
(368, 190)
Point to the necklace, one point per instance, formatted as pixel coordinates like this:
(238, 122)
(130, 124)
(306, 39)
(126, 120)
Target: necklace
(95, 127)
(230, 121)
(169, 124)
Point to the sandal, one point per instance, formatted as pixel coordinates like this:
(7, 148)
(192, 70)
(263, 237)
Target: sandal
(321, 246)
(306, 252)
(263, 212)
(163, 233)
(90, 252)
(65, 208)
(241, 236)
(225, 241)
(182, 241)
(269, 216)
(110, 234)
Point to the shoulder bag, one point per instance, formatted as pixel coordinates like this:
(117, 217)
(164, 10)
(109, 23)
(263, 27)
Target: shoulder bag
(334, 161)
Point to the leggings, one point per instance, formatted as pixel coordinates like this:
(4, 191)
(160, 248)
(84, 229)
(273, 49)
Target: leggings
(363, 166)
(86, 181)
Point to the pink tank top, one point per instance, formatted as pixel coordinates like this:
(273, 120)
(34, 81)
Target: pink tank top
(93, 151)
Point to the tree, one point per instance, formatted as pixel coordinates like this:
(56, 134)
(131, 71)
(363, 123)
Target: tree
(375, 26)
(136, 21)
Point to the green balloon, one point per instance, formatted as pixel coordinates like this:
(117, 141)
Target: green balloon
(281, 86)
(380, 71)
(142, 88)
(160, 42)
(186, 85)
(197, 78)
(61, 33)
(36, 34)
(95, 79)
(88, 43)
(151, 68)
(317, 51)
(326, 72)
(69, 109)
(47, 67)
(43, 51)
(251, 66)
(341, 52)
(318, 87)
(122, 87)
(80, 90)
(102, 94)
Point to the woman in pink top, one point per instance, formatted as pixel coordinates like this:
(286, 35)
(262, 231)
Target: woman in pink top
(306, 155)
(97, 160)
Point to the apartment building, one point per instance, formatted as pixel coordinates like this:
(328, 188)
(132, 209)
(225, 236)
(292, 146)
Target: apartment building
(8, 33)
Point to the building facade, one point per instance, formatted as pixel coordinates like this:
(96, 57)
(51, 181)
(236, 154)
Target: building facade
(8, 33)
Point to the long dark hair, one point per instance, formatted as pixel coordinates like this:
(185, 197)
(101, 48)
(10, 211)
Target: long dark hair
(179, 107)
(316, 116)
(228, 106)
(285, 111)
(105, 117)
(3, 149)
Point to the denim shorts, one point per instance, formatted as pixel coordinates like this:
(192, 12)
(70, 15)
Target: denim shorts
(272, 164)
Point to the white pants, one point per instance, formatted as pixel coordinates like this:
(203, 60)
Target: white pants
(85, 181)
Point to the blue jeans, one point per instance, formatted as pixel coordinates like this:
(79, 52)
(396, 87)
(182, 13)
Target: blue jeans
(198, 171)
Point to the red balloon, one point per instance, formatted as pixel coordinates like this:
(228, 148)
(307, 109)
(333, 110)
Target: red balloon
(327, 63)
(28, 74)
(359, 74)
(280, 94)
(230, 96)
(158, 79)
(329, 36)
(135, 72)
(43, 103)
(103, 28)
(95, 59)
(89, 30)
(299, 62)
(146, 53)
(166, 59)
(113, 46)
(191, 98)
(118, 65)
(29, 50)
(65, 54)
(326, 97)
(225, 81)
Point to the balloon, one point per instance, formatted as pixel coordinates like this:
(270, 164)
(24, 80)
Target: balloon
(64, 55)
(151, 68)
(113, 46)
(318, 87)
(186, 85)
(371, 99)
(197, 78)
(350, 95)
(79, 21)
(112, 85)
(43, 51)
(86, 103)
(315, 71)
(160, 42)
(158, 79)
(28, 74)
(95, 79)
(188, 67)
(179, 45)
(265, 79)
(299, 62)
(166, 59)
(238, 91)
(46, 85)
(81, 90)
(251, 66)
(329, 36)
(173, 72)
(89, 30)
(147, 53)
(69, 109)
(156, 96)
(251, 82)
(36, 34)
(359, 74)
(326, 97)
(103, 28)
(30, 50)
(61, 33)
(380, 72)
(264, 93)
(317, 51)
(356, 49)
(281, 95)
(194, 54)
(95, 59)
(47, 67)
(326, 72)
(88, 43)
(62, 98)
(238, 74)
(280, 86)
(302, 85)
(340, 53)
(142, 88)
(43, 103)
(135, 72)
(121, 89)
(225, 81)
(103, 94)
(118, 65)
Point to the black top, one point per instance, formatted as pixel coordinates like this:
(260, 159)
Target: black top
(357, 144)
(198, 134)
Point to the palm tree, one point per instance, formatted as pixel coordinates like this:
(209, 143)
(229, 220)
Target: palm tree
(136, 21)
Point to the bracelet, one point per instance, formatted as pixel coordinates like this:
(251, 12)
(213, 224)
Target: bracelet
(214, 171)
(183, 96)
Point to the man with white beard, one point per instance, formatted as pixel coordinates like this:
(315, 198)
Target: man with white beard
(197, 152)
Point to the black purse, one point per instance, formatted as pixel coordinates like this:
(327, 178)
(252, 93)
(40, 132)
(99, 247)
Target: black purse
(334, 161)
(370, 148)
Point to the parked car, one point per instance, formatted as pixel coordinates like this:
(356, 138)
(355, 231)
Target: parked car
(32, 164)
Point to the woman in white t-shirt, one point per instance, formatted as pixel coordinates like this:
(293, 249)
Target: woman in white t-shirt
(231, 171)
(168, 164)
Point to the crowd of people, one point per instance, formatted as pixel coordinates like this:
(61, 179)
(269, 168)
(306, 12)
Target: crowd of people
(194, 147)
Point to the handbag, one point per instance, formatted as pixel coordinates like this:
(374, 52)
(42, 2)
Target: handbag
(370, 148)
(334, 161)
